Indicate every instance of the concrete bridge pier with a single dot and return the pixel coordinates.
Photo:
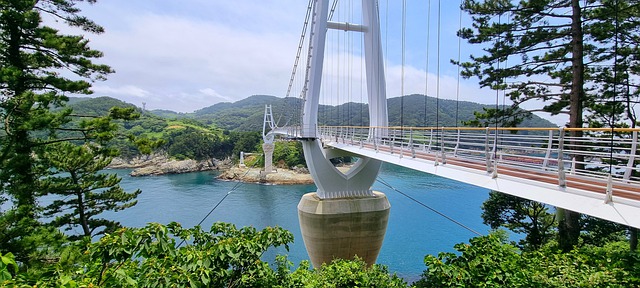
(343, 227)
(268, 148)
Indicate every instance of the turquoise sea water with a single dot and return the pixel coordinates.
(413, 230)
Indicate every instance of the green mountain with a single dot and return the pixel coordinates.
(418, 110)
(248, 114)
(98, 106)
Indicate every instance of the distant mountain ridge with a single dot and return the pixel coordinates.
(248, 114)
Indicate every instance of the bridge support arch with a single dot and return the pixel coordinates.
(344, 217)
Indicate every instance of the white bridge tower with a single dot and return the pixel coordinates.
(344, 217)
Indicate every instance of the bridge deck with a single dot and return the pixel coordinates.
(602, 179)
(596, 185)
(582, 193)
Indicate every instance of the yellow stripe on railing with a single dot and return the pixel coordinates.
(493, 128)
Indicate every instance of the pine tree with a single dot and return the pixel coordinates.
(553, 52)
(521, 216)
(83, 192)
(33, 57)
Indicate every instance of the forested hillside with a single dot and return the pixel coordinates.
(179, 137)
(248, 114)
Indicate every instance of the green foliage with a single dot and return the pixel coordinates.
(190, 143)
(572, 57)
(521, 216)
(487, 261)
(244, 142)
(502, 117)
(343, 273)
(98, 106)
(289, 153)
(8, 267)
(82, 192)
(599, 75)
(224, 256)
(31, 59)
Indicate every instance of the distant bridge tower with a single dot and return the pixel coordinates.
(344, 217)
(267, 138)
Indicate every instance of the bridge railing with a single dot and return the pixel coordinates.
(596, 154)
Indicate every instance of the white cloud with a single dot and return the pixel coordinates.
(213, 93)
(172, 55)
(127, 90)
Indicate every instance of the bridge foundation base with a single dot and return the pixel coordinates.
(344, 227)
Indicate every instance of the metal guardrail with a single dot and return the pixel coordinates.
(551, 150)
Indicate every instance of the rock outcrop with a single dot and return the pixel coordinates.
(159, 164)
(256, 175)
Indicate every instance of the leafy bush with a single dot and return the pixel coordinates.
(488, 261)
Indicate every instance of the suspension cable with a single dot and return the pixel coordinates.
(297, 61)
(333, 9)
(234, 188)
(300, 46)
(385, 183)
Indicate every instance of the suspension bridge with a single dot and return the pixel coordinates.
(594, 174)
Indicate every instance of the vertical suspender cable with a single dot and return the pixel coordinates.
(615, 88)
(403, 33)
(339, 116)
(426, 69)
(438, 78)
(361, 80)
(495, 133)
(459, 56)
(504, 91)
(350, 77)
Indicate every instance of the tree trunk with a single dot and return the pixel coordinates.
(83, 217)
(633, 239)
(568, 229)
(568, 221)
(81, 210)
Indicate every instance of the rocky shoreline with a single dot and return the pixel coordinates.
(256, 175)
(160, 164)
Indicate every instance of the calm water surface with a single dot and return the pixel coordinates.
(413, 231)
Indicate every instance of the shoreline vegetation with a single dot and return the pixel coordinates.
(161, 164)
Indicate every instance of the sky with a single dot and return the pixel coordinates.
(191, 54)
